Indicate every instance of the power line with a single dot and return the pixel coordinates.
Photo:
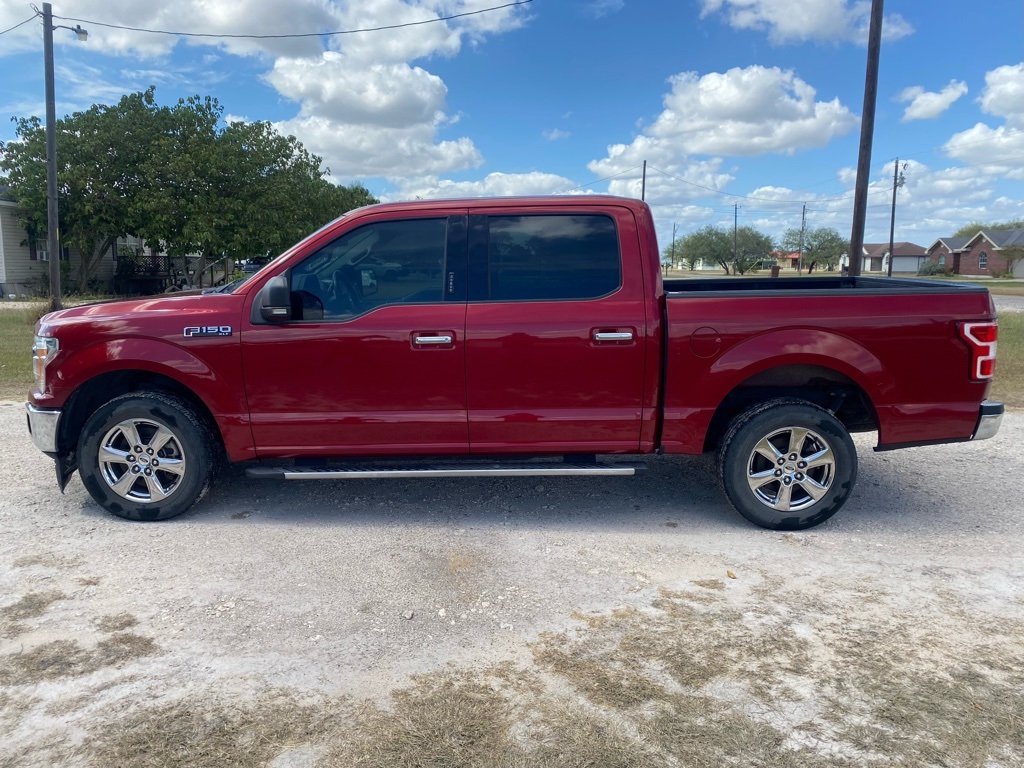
(299, 34)
(598, 181)
(21, 24)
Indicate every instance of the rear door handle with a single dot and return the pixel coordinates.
(613, 336)
(433, 340)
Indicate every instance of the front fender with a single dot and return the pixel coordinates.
(219, 387)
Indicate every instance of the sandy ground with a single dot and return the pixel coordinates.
(349, 587)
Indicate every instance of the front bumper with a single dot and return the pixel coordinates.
(990, 416)
(42, 426)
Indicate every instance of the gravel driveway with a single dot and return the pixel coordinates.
(388, 613)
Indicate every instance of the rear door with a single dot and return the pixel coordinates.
(554, 331)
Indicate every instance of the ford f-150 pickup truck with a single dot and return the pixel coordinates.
(528, 336)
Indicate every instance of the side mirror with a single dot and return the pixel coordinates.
(367, 281)
(275, 300)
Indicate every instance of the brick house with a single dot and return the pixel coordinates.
(978, 255)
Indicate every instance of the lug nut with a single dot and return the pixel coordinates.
(799, 475)
(149, 451)
(135, 469)
(792, 457)
(802, 464)
(787, 480)
(148, 471)
(782, 461)
(130, 457)
(778, 473)
(138, 449)
(155, 463)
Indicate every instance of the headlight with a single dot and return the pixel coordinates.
(43, 350)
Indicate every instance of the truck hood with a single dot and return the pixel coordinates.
(112, 310)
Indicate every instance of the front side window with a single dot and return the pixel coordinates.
(983, 260)
(544, 257)
(386, 262)
(942, 259)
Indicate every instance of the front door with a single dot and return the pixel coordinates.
(373, 361)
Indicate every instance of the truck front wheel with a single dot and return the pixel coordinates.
(787, 464)
(146, 456)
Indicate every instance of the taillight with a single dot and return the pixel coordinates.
(981, 338)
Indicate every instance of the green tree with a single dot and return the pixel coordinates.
(175, 176)
(708, 244)
(99, 157)
(752, 248)
(822, 246)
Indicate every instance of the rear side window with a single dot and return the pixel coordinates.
(545, 257)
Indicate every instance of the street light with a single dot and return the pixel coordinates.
(52, 233)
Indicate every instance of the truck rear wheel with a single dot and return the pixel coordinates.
(787, 464)
(146, 456)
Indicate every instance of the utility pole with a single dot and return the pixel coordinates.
(52, 225)
(897, 182)
(643, 182)
(52, 219)
(673, 246)
(867, 132)
(800, 253)
(735, 221)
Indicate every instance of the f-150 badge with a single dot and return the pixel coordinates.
(208, 330)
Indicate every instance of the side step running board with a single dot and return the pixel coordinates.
(443, 470)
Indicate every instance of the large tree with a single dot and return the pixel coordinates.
(752, 248)
(175, 176)
(822, 246)
(709, 244)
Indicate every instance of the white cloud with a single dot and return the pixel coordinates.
(925, 105)
(806, 20)
(1003, 95)
(556, 133)
(999, 149)
(494, 184)
(599, 8)
(748, 111)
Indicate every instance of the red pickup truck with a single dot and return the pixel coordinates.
(528, 336)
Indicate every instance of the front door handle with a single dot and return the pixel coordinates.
(613, 336)
(433, 340)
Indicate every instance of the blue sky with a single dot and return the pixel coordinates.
(748, 102)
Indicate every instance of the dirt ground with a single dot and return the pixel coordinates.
(511, 622)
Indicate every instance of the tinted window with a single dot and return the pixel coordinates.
(551, 257)
(386, 262)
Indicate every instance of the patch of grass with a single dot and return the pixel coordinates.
(31, 605)
(115, 622)
(16, 331)
(214, 732)
(67, 658)
(437, 722)
(1008, 384)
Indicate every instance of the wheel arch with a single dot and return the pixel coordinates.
(103, 387)
(821, 385)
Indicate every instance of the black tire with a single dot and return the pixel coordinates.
(172, 468)
(787, 492)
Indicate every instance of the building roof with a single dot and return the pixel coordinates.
(951, 243)
(903, 248)
(1001, 238)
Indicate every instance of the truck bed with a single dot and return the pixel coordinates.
(832, 285)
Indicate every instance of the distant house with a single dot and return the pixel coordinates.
(978, 255)
(906, 257)
(24, 259)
